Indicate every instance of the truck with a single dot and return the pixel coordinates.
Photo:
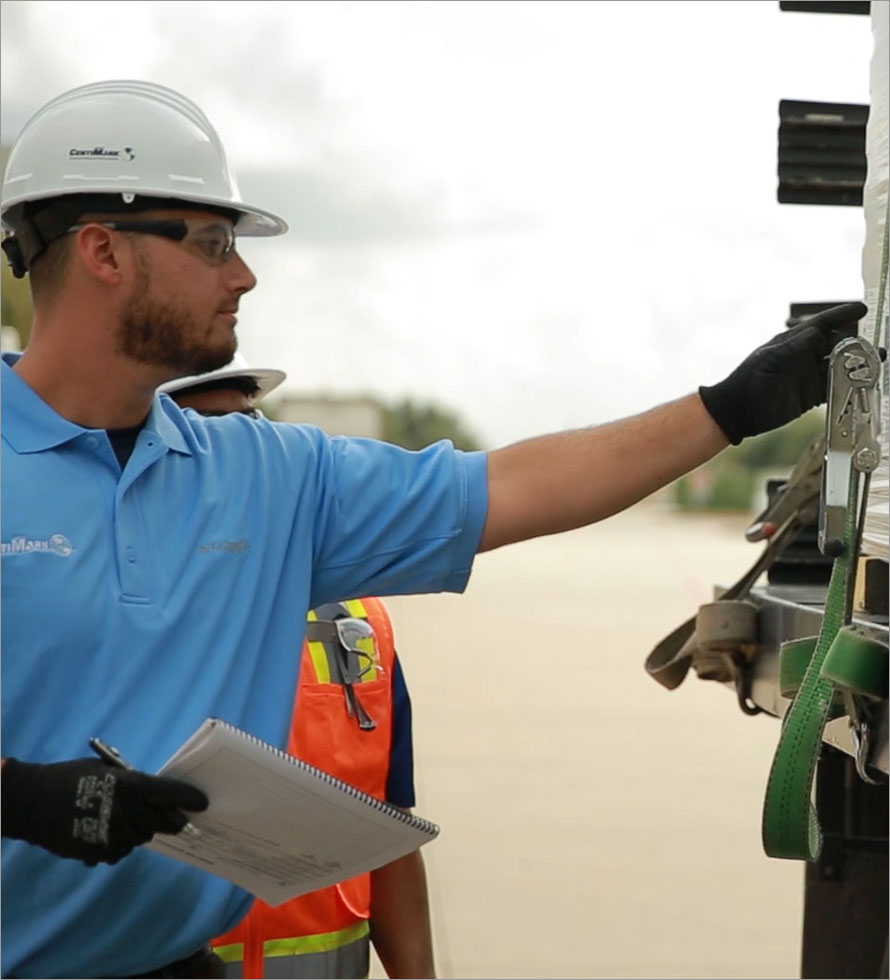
(803, 634)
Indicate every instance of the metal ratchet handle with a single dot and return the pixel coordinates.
(851, 438)
(798, 498)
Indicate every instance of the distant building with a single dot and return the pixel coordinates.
(10, 339)
(344, 416)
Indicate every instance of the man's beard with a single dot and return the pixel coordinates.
(161, 334)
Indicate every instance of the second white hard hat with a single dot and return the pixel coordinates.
(267, 379)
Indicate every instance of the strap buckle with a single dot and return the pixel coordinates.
(852, 426)
(861, 726)
(726, 645)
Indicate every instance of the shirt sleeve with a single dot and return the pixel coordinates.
(390, 521)
(400, 781)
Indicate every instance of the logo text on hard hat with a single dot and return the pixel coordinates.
(103, 153)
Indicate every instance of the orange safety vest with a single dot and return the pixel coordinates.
(327, 930)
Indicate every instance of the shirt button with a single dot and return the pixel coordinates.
(131, 555)
(92, 442)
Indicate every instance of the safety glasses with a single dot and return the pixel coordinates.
(213, 241)
(350, 631)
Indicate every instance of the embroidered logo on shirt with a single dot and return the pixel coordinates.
(232, 547)
(55, 544)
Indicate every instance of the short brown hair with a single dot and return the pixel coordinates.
(48, 270)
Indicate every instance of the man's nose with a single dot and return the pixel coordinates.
(240, 278)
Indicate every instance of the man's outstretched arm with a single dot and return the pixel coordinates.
(558, 482)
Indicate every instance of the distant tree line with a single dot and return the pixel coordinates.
(729, 481)
(414, 425)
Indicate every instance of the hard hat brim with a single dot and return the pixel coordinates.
(267, 380)
(253, 222)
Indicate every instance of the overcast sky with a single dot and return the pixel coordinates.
(539, 215)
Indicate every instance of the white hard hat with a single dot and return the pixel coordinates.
(126, 137)
(267, 379)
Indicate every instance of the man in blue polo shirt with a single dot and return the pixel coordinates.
(158, 566)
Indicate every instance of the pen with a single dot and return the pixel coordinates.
(110, 754)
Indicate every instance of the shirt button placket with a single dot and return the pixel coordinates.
(130, 537)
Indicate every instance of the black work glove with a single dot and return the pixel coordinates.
(91, 811)
(783, 378)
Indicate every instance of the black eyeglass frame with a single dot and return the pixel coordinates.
(176, 229)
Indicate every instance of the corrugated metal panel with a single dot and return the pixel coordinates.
(874, 264)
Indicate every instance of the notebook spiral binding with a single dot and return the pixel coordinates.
(417, 823)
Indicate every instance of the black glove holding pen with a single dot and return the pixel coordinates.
(90, 810)
(783, 378)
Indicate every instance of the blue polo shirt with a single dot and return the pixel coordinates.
(136, 604)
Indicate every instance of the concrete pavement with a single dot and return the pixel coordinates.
(593, 823)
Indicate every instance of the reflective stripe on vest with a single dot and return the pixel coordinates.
(343, 954)
(325, 735)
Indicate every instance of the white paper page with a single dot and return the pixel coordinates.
(274, 828)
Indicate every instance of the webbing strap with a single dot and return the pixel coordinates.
(857, 664)
(671, 659)
(790, 823)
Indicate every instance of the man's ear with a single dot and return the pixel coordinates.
(99, 251)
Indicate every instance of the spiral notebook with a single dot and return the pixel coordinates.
(277, 826)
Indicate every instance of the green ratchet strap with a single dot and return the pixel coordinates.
(841, 654)
(790, 825)
(794, 658)
(857, 664)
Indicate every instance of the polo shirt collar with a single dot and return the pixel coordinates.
(31, 426)
(163, 424)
